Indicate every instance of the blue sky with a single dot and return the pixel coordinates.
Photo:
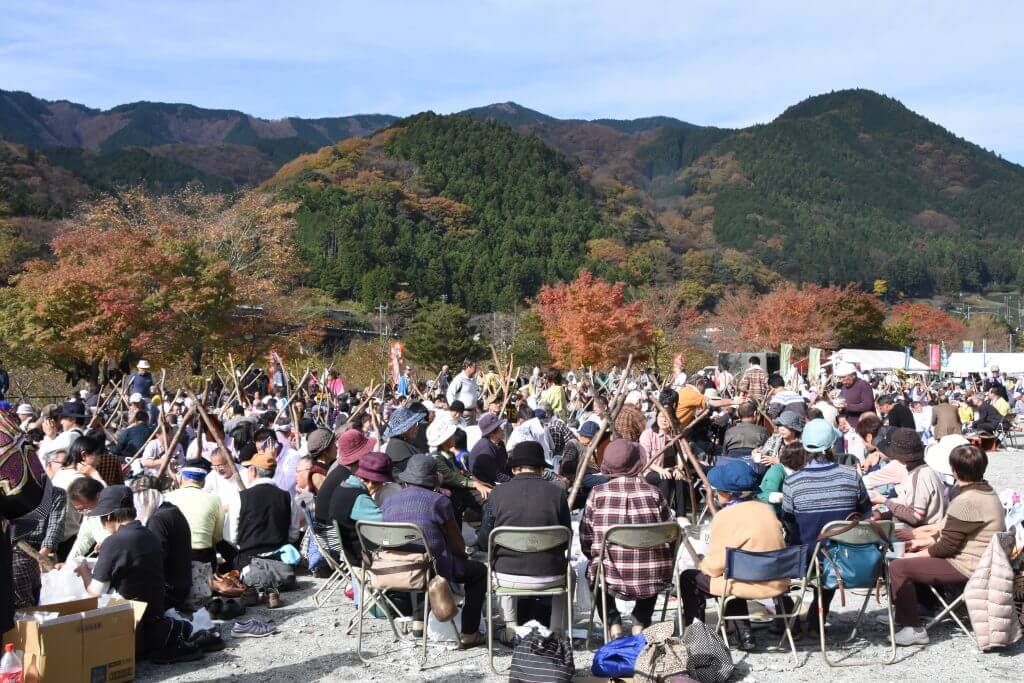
(721, 63)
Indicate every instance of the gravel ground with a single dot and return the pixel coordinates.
(312, 645)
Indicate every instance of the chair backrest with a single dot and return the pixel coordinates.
(391, 535)
(524, 539)
(308, 517)
(864, 532)
(642, 536)
(746, 565)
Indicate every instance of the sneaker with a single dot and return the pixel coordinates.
(182, 652)
(911, 635)
(251, 628)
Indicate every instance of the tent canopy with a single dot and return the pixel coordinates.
(868, 360)
(962, 364)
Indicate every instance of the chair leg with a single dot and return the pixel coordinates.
(362, 604)
(490, 624)
(679, 604)
(720, 605)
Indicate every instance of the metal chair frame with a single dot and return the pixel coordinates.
(863, 533)
(367, 599)
(650, 536)
(339, 574)
(526, 540)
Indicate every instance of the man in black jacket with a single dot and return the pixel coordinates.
(527, 500)
(989, 418)
(134, 438)
(895, 413)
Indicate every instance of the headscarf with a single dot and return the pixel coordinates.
(630, 423)
(623, 458)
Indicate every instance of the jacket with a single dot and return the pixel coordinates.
(946, 420)
(989, 596)
(527, 500)
(750, 525)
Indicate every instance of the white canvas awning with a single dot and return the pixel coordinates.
(868, 360)
(963, 364)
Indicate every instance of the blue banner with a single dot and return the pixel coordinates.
(906, 357)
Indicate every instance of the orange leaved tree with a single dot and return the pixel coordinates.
(928, 324)
(588, 322)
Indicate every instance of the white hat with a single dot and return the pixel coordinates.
(24, 409)
(634, 398)
(936, 455)
(440, 430)
(84, 393)
(843, 369)
(993, 368)
(143, 365)
(429, 405)
(135, 398)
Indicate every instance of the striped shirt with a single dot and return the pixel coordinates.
(820, 493)
(629, 573)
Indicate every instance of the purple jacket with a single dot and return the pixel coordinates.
(860, 398)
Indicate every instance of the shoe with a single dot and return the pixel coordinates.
(227, 584)
(251, 628)
(208, 641)
(182, 652)
(911, 635)
(350, 593)
(416, 629)
(216, 608)
(232, 609)
(472, 640)
(746, 641)
(273, 599)
(250, 597)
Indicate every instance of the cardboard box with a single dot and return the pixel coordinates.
(86, 644)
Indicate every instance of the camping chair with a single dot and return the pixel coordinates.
(526, 540)
(855, 535)
(637, 537)
(339, 574)
(1005, 543)
(744, 565)
(392, 536)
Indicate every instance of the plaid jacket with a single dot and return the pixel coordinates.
(754, 383)
(630, 574)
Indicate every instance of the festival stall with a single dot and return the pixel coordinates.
(869, 360)
(963, 364)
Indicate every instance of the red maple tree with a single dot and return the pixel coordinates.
(928, 324)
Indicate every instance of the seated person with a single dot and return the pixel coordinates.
(419, 503)
(792, 459)
(202, 510)
(527, 501)
(467, 494)
(742, 522)
(82, 496)
(666, 470)
(131, 440)
(921, 498)
(488, 460)
(988, 419)
(626, 499)
(574, 450)
(950, 556)
(353, 501)
(742, 437)
(171, 528)
(131, 563)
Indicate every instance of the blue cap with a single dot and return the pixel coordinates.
(589, 428)
(819, 436)
(733, 476)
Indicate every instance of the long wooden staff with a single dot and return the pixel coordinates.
(701, 475)
(581, 466)
(178, 433)
(228, 457)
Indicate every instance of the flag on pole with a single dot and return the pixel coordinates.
(968, 346)
(813, 365)
(785, 352)
(906, 358)
(984, 352)
(934, 357)
(395, 362)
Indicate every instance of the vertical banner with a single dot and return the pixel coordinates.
(785, 354)
(906, 357)
(945, 356)
(968, 346)
(813, 365)
(934, 357)
(984, 353)
(396, 362)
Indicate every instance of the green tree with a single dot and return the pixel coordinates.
(440, 333)
(530, 348)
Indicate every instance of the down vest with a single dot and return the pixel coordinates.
(989, 596)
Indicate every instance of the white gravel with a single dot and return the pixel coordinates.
(312, 645)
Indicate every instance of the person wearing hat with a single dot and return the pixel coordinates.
(141, 381)
(341, 455)
(527, 500)
(920, 498)
(419, 503)
(488, 459)
(995, 381)
(467, 493)
(61, 426)
(789, 425)
(354, 501)
(856, 395)
(821, 492)
(131, 563)
(574, 450)
(26, 415)
(744, 522)
(630, 574)
(264, 518)
(202, 510)
(401, 434)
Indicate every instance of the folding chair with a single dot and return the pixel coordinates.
(862, 533)
(744, 565)
(637, 537)
(392, 536)
(526, 540)
(338, 573)
(367, 600)
(1002, 542)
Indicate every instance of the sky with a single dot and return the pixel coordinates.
(717, 63)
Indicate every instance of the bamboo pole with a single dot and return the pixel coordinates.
(174, 441)
(228, 457)
(701, 475)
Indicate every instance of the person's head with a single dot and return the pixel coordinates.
(746, 411)
(775, 381)
(818, 438)
(588, 430)
(420, 470)
(115, 506)
(494, 406)
(553, 376)
(262, 465)
(885, 404)
(847, 373)
(322, 445)
(219, 463)
(441, 434)
(994, 370)
(905, 446)
(72, 415)
(523, 412)
(868, 427)
(490, 428)
(664, 421)
(993, 394)
(143, 367)
(195, 471)
(141, 417)
(86, 450)
(83, 494)
(732, 479)
(622, 458)
(267, 442)
(469, 367)
(600, 406)
(790, 425)
(968, 464)
(527, 457)
(459, 441)
(754, 361)
(793, 456)
(456, 408)
(374, 471)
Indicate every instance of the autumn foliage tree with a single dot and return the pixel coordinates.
(588, 322)
(926, 324)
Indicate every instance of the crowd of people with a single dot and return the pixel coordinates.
(183, 500)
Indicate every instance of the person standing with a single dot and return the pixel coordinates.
(754, 383)
(464, 387)
(857, 396)
(5, 381)
(141, 381)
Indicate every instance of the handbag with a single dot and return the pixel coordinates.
(539, 658)
(398, 570)
(617, 658)
(663, 657)
(708, 659)
(852, 565)
(442, 601)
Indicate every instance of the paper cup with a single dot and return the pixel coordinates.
(899, 548)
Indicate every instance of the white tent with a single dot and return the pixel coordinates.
(868, 360)
(962, 364)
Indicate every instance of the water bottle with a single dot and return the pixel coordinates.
(10, 666)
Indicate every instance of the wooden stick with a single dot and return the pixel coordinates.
(669, 445)
(581, 466)
(228, 457)
(45, 563)
(709, 492)
(508, 391)
(178, 433)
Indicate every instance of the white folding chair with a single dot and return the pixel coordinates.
(526, 540)
(637, 537)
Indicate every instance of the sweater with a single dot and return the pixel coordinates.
(749, 525)
(974, 516)
(527, 500)
(818, 494)
(772, 483)
(920, 499)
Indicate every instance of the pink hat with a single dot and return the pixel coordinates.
(352, 445)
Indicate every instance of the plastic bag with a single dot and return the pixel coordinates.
(584, 599)
(617, 658)
(62, 585)
(442, 631)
